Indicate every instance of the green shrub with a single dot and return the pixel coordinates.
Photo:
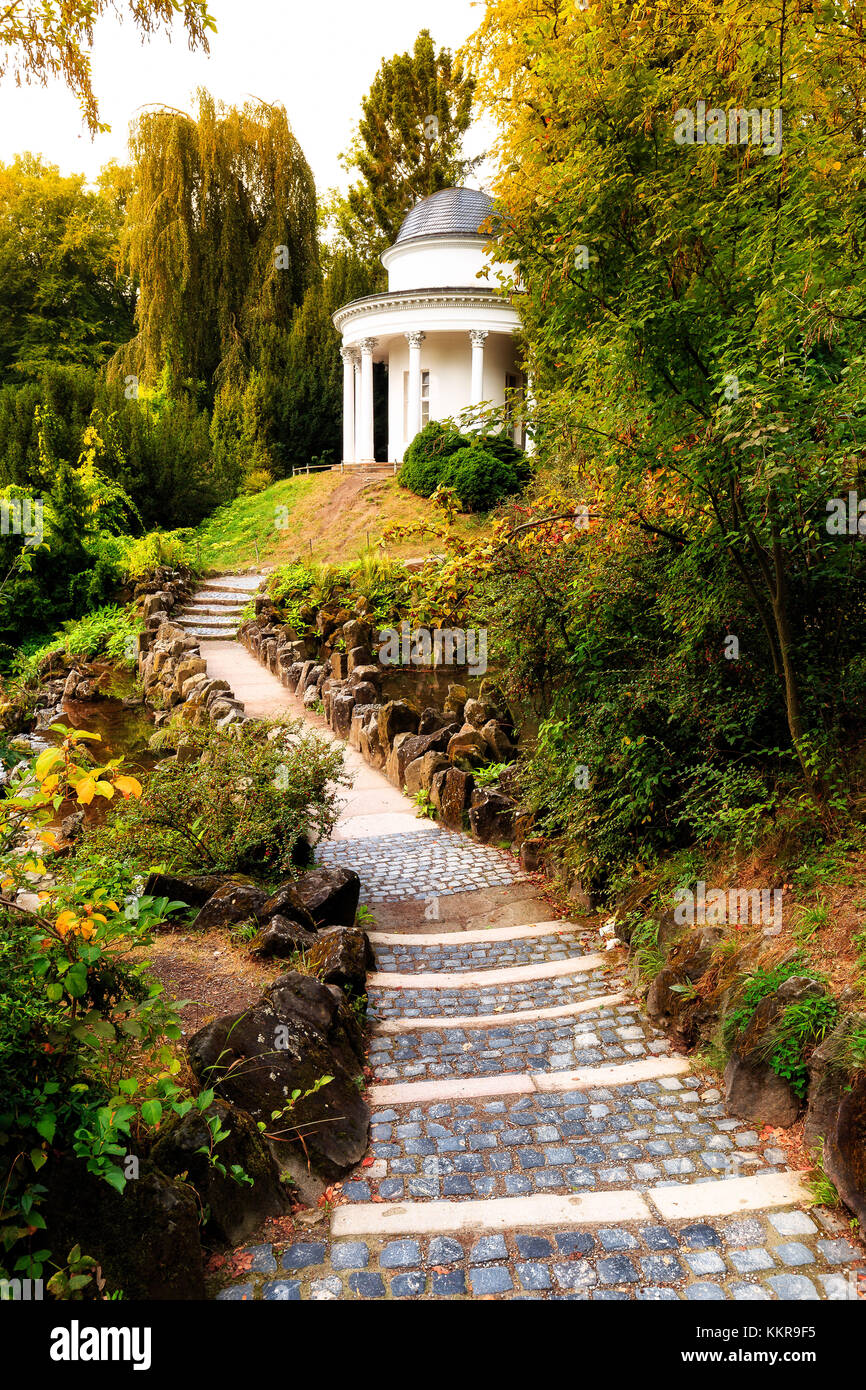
(427, 455)
(480, 478)
(110, 632)
(505, 449)
(756, 986)
(243, 805)
(482, 469)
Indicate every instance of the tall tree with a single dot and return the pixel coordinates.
(694, 299)
(221, 234)
(52, 39)
(62, 298)
(312, 410)
(408, 143)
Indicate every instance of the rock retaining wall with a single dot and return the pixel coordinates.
(333, 666)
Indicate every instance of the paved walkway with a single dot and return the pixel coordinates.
(532, 1135)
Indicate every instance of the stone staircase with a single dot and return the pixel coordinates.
(214, 612)
(533, 1136)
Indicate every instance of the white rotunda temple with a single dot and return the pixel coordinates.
(444, 331)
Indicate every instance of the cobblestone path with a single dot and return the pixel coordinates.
(533, 1137)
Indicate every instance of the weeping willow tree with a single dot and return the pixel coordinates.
(221, 236)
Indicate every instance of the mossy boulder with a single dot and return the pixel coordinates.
(235, 1207)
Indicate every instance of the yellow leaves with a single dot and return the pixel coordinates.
(66, 922)
(85, 790)
(47, 760)
(81, 924)
(128, 786)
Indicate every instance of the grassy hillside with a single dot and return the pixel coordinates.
(324, 516)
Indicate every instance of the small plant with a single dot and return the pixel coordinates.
(800, 1025)
(645, 948)
(688, 989)
(286, 1111)
(70, 1282)
(244, 933)
(423, 805)
(487, 776)
(823, 1190)
(756, 986)
(811, 919)
(217, 1132)
(365, 917)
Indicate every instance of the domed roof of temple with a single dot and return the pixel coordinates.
(450, 212)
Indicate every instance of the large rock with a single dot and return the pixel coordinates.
(691, 958)
(433, 719)
(532, 855)
(297, 1033)
(190, 667)
(475, 713)
(752, 1089)
(393, 762)
(330, 895)
(421, 771)
(416, 745)
(342, 704)
(286, 901)
(450, 792)
(836, 1117)
(370, 744)
(342, 956)
(146, 1239)
(364, 694)
(498, 742)
(491, 815)
(358, 659)
(469, 746)
(282, 937)
(194, 889)
(371, 673)
(232, 902)
(357, 634)
(396, 717)
(234, 1208)
(455, 701)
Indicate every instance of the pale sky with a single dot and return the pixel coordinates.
(318, 57)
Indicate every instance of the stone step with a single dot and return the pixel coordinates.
(467, 1022)
(471, 979)
(209, 634)
(715, 1198)
(201, 600)
(241, 583)
(459, 937)
(526, 1083)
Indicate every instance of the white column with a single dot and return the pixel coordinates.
(356, 373)
(365, 437)
(476, 337)
(413, 424)
(348, 357)
(528, 413)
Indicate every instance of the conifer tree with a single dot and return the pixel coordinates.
(408, 143)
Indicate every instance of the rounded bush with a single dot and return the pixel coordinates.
(480, 478)
(426, 457)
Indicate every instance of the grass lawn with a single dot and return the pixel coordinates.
(323, 516)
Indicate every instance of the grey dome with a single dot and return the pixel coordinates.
(450, 212)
